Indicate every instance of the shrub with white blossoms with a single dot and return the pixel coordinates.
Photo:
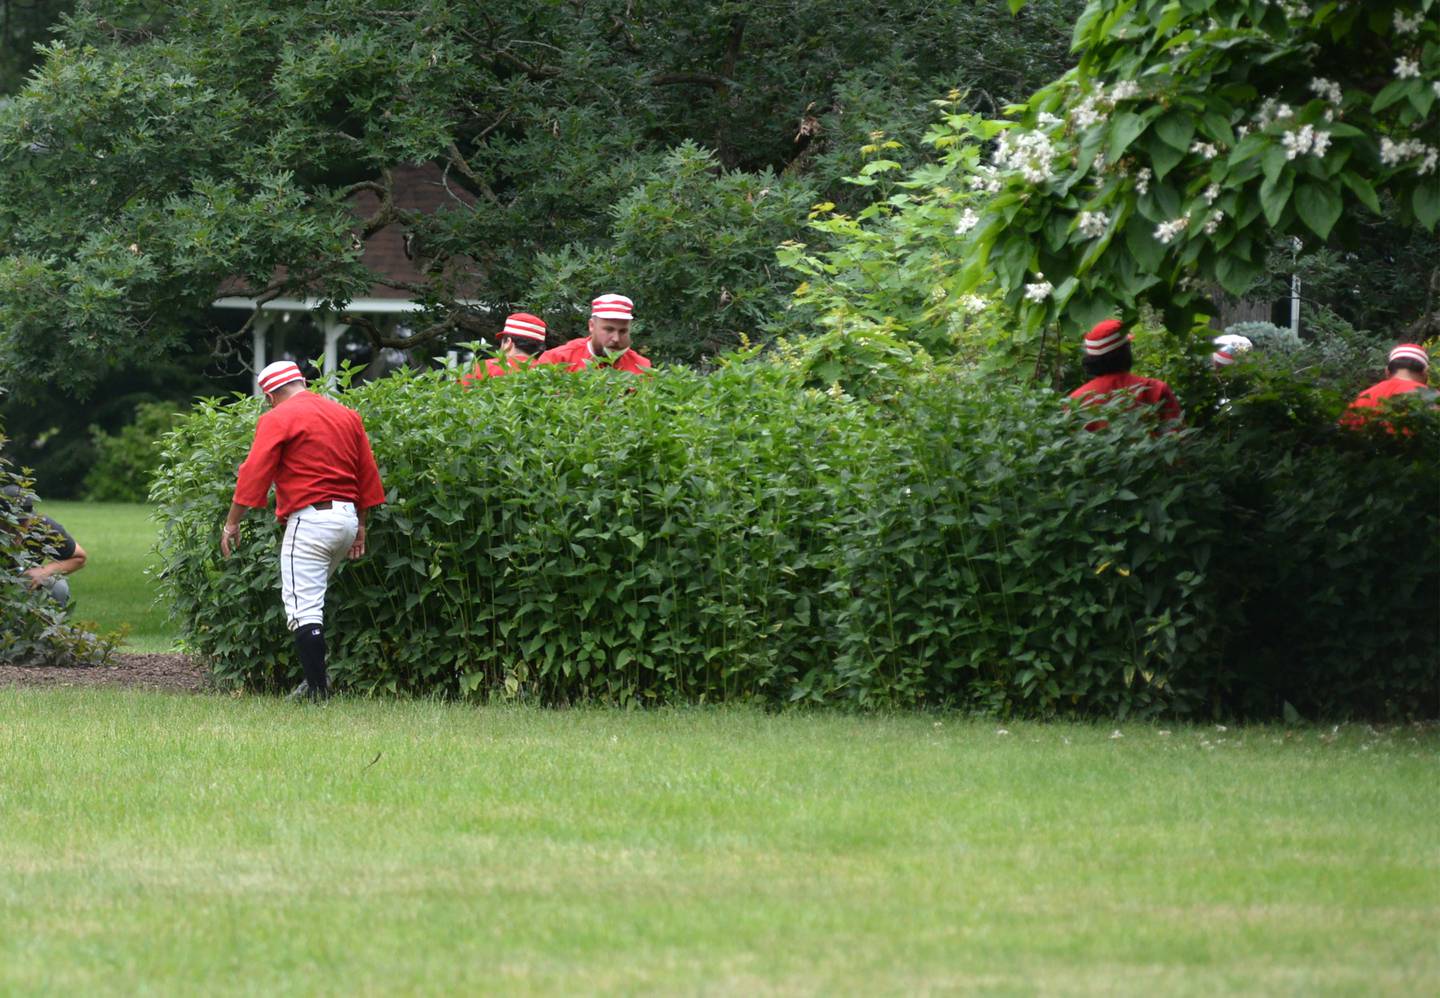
(1190, 135)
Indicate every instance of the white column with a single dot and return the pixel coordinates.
(334, 329)
(258, 329)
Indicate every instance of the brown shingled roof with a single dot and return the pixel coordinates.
(416, 187)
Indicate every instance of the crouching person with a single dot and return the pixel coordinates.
(315, 452)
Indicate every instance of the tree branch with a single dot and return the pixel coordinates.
(456, 160)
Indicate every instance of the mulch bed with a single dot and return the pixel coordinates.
(169, 672)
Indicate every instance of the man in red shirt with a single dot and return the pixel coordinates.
(1408, 371)
(316, 453)
(608, 342)
(522, 338)
(1108, 361)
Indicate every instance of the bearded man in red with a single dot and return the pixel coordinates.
(608, 342)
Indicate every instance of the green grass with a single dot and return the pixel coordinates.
(215, 844)
(113, 590)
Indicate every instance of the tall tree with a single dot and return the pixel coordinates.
(24, 26)
(162, 148)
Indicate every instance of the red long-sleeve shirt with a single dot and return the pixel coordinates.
(1374, 397)
(311, 448)
(1145, 391)
(576, 356)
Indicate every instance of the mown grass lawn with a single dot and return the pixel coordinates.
(113, 591)
(213, 844)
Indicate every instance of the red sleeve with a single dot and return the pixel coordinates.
(257, 472)
(367, 475)
(1169, 406)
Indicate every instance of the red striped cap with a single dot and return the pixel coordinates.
(1222, 358)
(278, 374)
(1411, 351)
(1107, 335)
(612, 307)
(524, 326)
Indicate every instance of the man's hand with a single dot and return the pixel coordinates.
(36, 577)
(358, 548)
(229, 538)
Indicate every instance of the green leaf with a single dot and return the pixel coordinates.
(1426, 200)
(1237, 275)
(1273, 161)
(1176, 129)
(1125, 127)
(1362, 189)
(1392, 92)
(1141, 242)
(1318, 206)
(1163, 157)
(1275, 195)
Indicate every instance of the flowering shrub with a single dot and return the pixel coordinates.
(1186, 140)
(1194, 132)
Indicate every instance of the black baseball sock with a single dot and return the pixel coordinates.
(310, 646)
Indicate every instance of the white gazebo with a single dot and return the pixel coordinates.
(387, 312)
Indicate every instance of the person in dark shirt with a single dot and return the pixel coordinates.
(50, 545)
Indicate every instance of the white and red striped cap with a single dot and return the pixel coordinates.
(1411, 351)
(524, 326)
(278, 374)
(612, 307)
(1105, 336)
(1222, 357)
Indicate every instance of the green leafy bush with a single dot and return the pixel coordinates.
(738, 536)
(126, 460)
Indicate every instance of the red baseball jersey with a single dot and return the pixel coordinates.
(576, 356)
(1374, 397)
(1145, 391)
(311, 448)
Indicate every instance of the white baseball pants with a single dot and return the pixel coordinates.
(316, 541)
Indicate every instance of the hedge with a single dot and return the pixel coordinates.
(695, 538)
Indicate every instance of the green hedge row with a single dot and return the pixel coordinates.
(698, 538)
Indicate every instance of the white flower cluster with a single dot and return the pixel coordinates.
(1040, 290)
(968, 221)
(1272, 111)
(1205, 149)
(1328, 89)
(1407, 69)
(1032, 153)
(1211, 193)
(1393, 153)
(1092, 224)
(1142, 181)
(973, 303)
(1212, 222)
(1167, 231)
(1096, 106)
(1124, 90)
(1408, 25)
(987, 179)
(1295, 11)
(1305, 139)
